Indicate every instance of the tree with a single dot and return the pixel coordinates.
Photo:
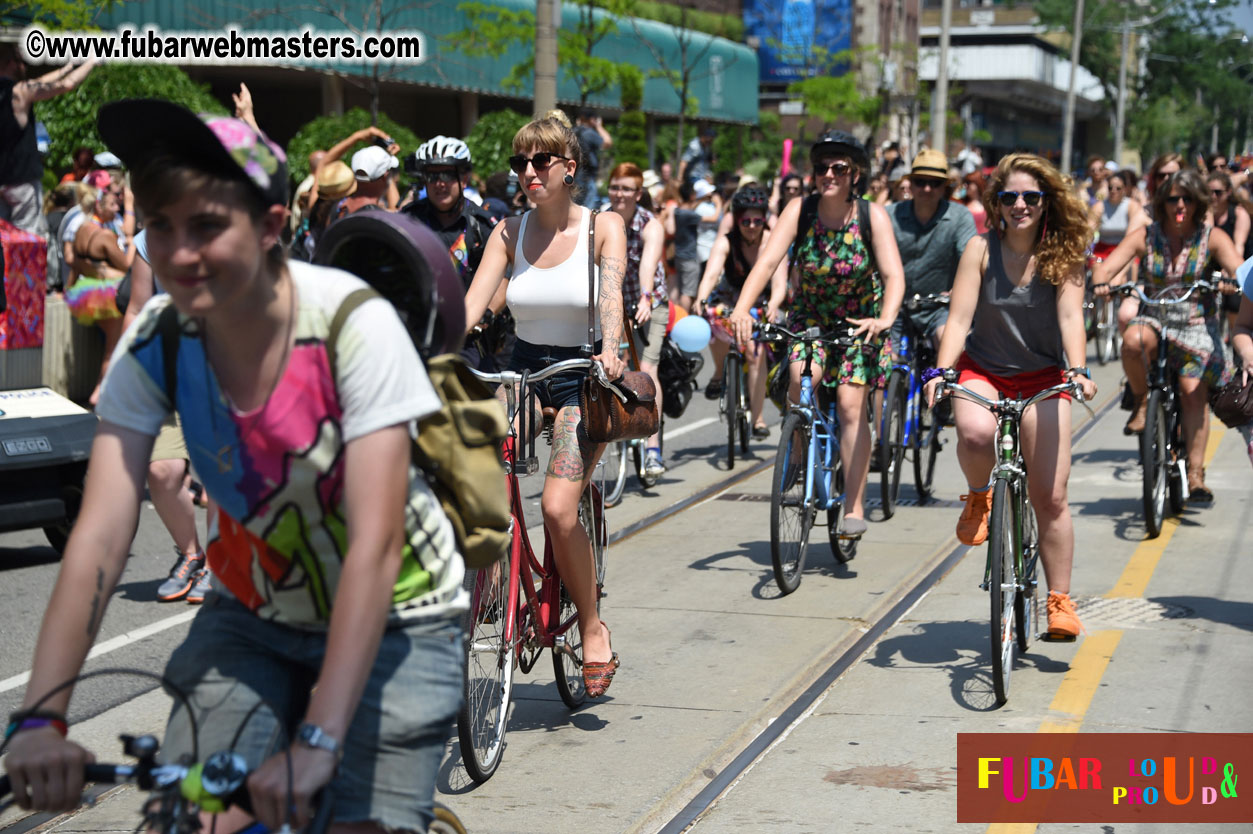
(71, 118)
(72, 15)
(323, 132)
(492, 30)
(491, 140)
(832, 92)
(630, 140)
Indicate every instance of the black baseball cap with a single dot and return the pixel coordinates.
(139, 129)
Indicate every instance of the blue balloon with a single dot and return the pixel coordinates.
(691, 334)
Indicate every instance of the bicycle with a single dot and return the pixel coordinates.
(1163, 450)
(1100, 321)
(510, 622)
(617, 453)
(1013, 540)
(733, 405)
(907, 423)
(808, 474)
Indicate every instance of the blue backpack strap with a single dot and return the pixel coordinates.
(170, 333)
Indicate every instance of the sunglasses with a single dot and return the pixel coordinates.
(1010, 198)
(926, 182)
(749, 222)
(440, 176)
(838, 168)
(540, 162)
(1186, 199)
(1218, 192)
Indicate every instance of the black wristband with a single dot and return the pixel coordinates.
(23, 714)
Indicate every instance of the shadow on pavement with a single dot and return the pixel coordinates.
(16, 558)
(961, 649)
(1126, 513)
(145, 591)
(818, 562)
(1224, 611)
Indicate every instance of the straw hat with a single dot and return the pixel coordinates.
(336, 181)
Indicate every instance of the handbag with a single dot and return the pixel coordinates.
(1233, 403)
(623, 409)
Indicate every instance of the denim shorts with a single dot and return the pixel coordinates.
(558, 391)
(232, 660)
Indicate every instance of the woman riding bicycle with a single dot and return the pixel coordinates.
(1175, 248)
(545, 251)
(644, 286)
(734, 255)
(1015, 316)
(339, 598)
(839, 281)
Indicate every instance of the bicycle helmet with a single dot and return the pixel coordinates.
(750, 197)
(443, 150)
(843, 144)
(406, 263)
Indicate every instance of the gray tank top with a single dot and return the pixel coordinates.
(1015, 329)
(1114, 223)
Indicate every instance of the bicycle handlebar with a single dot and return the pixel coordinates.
(917, 302)
(565, 366)
(1016, 405)
(1132, 289)
(777, 333)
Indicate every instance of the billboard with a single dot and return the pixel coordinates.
(787, 31)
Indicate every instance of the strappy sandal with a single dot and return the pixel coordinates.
(598, 675)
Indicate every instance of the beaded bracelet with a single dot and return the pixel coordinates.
(933, 373)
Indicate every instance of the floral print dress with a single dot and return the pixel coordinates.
(837, 281)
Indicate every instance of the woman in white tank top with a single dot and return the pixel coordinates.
(548, 296)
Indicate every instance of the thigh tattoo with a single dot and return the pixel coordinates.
(572, 451)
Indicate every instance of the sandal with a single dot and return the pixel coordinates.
(597, 675)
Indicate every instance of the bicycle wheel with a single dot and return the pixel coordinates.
(892, 443)
(445, 822)
(842, 549)
(568, 653)
(592, 519)
(1002, 588)
(615, 460)
(1027, 599)
(1106, 331)
(744, 428)
(484, 714)
(790, 515)
(926, 446)
(731, 379)
(1154, 462)
(1177, 453)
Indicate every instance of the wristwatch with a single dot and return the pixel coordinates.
(1080, 372)
(311, 735)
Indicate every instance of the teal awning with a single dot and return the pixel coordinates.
(724, 81)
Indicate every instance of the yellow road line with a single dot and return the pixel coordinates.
(1078, 687)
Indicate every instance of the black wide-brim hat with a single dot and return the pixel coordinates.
(141, 129)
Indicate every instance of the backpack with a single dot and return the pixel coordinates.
(677, 372)
(809, 210)
(457, 448)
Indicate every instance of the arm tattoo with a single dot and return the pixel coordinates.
(97, 605)
(572, 452)
(612, 271)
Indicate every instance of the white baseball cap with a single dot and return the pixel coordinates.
(703, 188)
(371, 163)
(106, 159)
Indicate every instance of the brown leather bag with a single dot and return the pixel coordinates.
(1233, 403)
(623, 409)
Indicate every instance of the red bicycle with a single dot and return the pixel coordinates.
(510, 622)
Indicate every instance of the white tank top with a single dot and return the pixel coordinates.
(1114, 223)
(550, 305)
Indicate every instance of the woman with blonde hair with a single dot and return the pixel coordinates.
(1015, 322)
(545, 253)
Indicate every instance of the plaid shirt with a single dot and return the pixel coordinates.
(635, 250)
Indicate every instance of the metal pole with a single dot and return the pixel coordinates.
(1120, 129)
(1068, 135)
(939, 102)
(545, 58)
(1214, 133)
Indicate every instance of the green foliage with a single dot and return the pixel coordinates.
(325, 131)
(630, 142)
(71, 118)
(667, 136)
(833, 94)
(57, 14)
(726, 26)
(491, 140)
(1164, 124)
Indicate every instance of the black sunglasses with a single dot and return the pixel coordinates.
(839, 168)
(440, 176)
(1186, 198)
(1010, 198)
(927, 182)
(540, 162)
(752, 221)
(1218, 192)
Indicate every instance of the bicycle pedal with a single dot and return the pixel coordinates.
(1046, 637)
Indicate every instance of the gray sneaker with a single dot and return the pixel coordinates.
(654, 467)
(182, 577)
(854, 528)
(201, 587)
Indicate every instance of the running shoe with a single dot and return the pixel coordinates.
(1063, 621)
(972, 527)
(654, 466)
(182, 577)
(201, 587)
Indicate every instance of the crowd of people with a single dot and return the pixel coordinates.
(330, 555)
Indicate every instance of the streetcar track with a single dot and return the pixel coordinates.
(803, 704)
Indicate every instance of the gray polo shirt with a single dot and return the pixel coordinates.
(930, 253)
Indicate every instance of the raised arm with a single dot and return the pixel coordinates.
(1224, 251)
(28, 92)
(773, 254)
(713, 271)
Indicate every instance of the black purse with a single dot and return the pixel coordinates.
(1233, 403)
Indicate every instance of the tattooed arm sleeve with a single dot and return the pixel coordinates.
(612, 272)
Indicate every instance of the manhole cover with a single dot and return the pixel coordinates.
(1127, 611)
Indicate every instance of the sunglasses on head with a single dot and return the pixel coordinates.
(839, 168)
(540, 162)
(1010, 198)
(1186, 198)
(749, 222)
(445, 175)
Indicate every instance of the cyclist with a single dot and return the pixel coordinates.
(444, 164)
(1242, 341)
(1016, 314)
(1174, 249)
(643, 297)
(546, 251)
(340, 584)
(841, 278)
(732, 258)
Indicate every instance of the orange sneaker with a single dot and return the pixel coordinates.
(1063, 621)
(972, 527)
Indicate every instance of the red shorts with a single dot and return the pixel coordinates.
(1019, 385)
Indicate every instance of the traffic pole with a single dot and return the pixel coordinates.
(1120, 128)
(1068, 135)
(939, 102)
(545, 57)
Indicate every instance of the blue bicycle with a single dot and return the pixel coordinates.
(907, 423)
(808, 476)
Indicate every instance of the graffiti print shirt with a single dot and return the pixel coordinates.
(277, 473)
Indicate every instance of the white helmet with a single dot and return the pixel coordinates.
(443, 150)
